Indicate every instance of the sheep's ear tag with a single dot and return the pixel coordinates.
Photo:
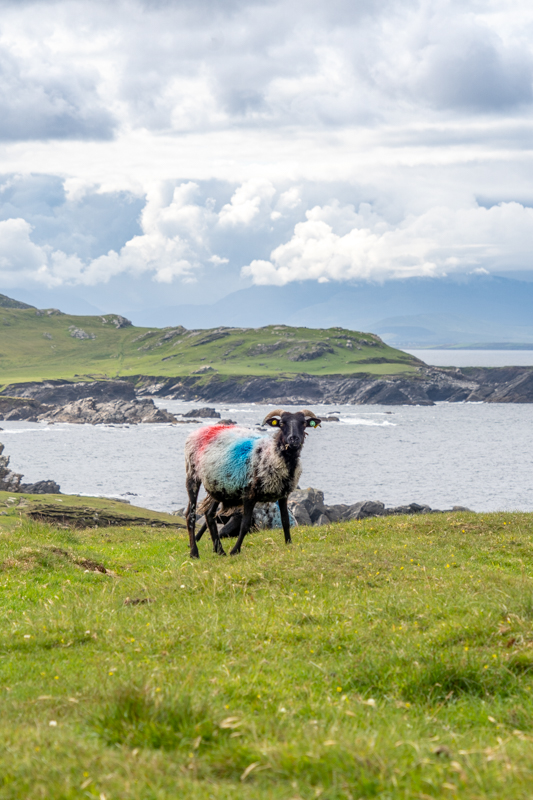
(274, 421)
(313, 423)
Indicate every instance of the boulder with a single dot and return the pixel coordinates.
(78, 333)
(337, 512)
(300, 513)
(364, 509)
(44, 487)
(412, 508)
(310, 498)
(204, 413)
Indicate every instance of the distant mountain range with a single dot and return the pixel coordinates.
(416, 312)
(477, 309)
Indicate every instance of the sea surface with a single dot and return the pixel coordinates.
(475, 358)
(471, 454)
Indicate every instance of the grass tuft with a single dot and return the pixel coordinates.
(141, 718)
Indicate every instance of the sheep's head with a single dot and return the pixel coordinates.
(292, 427)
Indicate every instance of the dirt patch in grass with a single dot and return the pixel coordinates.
(50, 558)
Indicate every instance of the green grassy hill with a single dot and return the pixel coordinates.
(389, 658)
(35, 345)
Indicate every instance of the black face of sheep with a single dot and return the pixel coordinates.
(292, 428)
(240, 468)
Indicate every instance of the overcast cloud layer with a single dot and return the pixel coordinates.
(202, 146)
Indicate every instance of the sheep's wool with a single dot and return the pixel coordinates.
(235, 459)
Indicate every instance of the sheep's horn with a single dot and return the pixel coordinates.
(276, 413)
(310, 415)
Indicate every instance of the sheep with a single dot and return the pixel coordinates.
(241, 466)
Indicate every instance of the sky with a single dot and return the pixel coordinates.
(160, 152)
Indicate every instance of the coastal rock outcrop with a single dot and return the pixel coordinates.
(204, 413)
(116, 412)
(94, 402)
(11, 481)
(41, 487)
(61, 392)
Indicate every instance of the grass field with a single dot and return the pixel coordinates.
(389, 658)
(39, 347)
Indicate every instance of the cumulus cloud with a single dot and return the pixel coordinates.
(174, 243)
(249, 202)
(437, 242)
(184, 234)
(21, 260)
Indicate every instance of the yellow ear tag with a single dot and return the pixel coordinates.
(274, 422)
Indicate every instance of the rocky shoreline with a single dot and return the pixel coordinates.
(130, 401)
(426, 387)
(308, 508)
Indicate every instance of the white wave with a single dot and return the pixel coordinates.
(370, 422)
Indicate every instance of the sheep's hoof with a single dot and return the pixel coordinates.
(235, 552)
(195, 554)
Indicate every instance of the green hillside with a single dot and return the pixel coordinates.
(37, 345)
(389, 658)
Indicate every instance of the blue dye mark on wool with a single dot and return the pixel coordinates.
(237, 464)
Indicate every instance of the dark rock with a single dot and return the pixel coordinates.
(337, 512)
(397, 510)
(41, 487)
(412, 508)
(227, 422)
(322, 520)
(300, 513)
(204, 413)
(9, 481)
(61, 392)
(364, 509)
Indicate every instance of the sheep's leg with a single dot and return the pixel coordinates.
(285, 521)
(246, 524)
(201, 532)
(213, 530)
(193, 487)
(232, 526)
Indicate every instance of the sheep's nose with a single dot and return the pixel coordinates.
(293, 441)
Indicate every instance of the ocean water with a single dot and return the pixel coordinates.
(472, 454)
(475, 358)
